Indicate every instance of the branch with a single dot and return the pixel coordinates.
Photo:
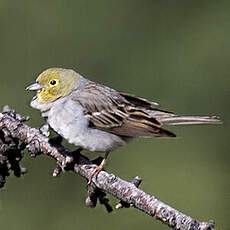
(15, 137)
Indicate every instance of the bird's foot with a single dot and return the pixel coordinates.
(97, 170)
(45, 130)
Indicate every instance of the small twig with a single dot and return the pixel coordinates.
(13, 132)
(95, 194)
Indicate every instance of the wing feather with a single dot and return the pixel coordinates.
(110, 111)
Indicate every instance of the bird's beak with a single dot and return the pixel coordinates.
(34, 87)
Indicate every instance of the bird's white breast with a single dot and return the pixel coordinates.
(66, 117)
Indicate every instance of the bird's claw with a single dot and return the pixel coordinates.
(95, 173)
(45, 130)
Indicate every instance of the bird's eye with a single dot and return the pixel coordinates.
(53, 82)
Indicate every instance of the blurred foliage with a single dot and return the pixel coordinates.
(174, 52)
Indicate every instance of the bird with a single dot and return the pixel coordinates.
(97, 118)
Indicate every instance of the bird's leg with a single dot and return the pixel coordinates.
(99, 168)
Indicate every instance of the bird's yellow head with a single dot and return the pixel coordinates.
(54, 83)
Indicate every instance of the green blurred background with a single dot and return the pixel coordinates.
(174, 52)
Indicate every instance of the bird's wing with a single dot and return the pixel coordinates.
(139, 101)
(112, 112)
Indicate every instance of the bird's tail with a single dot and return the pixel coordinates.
(173, 119)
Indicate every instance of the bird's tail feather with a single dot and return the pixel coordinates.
(188, 120)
